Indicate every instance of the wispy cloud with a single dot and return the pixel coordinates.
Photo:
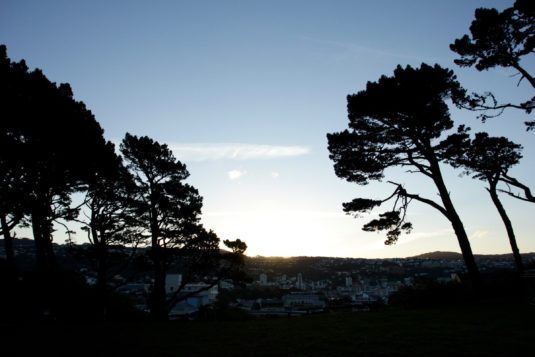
(236, 174)
(205, 152)
(479, 233)
(272, 215)
(275, 174)
(349, 50)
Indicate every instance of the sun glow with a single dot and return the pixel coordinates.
(285, 234)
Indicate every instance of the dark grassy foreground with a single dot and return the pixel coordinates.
(483, 329)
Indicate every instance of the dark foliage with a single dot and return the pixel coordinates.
(489, 159)
(167, 212)
(51, 143)
(429, 293)
(499, 39)
(63, 297)
(401, 121)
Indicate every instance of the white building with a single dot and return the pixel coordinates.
(194, 295)
(300, 284)
(303, 300)
(172, 282)
(349, 282)
(262, 279)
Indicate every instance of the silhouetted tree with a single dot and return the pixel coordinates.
(168, 213)
(12, 184)
(499, 39)
(59, 146)
(109, 223)
(398, 122)
(488, 159)
(12, 196)
(168, 209)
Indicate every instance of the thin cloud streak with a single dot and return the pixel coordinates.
(350, 51)
(479, 233)
(273, 215)
(209, 152)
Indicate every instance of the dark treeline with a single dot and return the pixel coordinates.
(404, 121)
(51, 147)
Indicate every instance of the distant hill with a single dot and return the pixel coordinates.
(454, 255)
(439, 255)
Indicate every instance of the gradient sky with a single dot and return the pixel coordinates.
(245, 93)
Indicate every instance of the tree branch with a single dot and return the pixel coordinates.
(427, 201)
(514, 182)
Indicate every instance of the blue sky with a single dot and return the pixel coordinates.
(245, 93)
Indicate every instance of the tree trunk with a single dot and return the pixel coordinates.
(8, 242)
(48, 282)
(158, 307)
(158, 303)
(50, 254)
(102, 272)
(40, 251)
(456, 223)
(466, 249)
(42, 235)
(508, 226)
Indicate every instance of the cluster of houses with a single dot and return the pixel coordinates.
(303, 284)
(299, 296)
(369, 283)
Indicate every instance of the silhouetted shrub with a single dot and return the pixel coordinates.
(427, 292)
(61, 295)
(502, 285)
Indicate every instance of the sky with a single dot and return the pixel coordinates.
(244, 92)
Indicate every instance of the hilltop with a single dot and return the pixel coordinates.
(439, 255)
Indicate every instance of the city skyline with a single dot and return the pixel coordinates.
(244, 94)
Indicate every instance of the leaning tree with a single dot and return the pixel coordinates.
(501, 39)
(489, 159)
(401, 121)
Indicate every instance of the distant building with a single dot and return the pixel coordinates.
(300, 283)
(172, 282)
(303, 300)
(226, 284)
(191, 297)
(192, 303)
(262, 279)
(349, 282)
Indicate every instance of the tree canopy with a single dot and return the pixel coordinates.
(168, 214)
(51, 147)
(53, 143)
(401, 121)
(489, 159)
(499, 39)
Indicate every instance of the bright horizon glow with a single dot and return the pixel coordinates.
(244, 93)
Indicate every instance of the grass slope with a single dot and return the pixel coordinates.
(482, 330)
